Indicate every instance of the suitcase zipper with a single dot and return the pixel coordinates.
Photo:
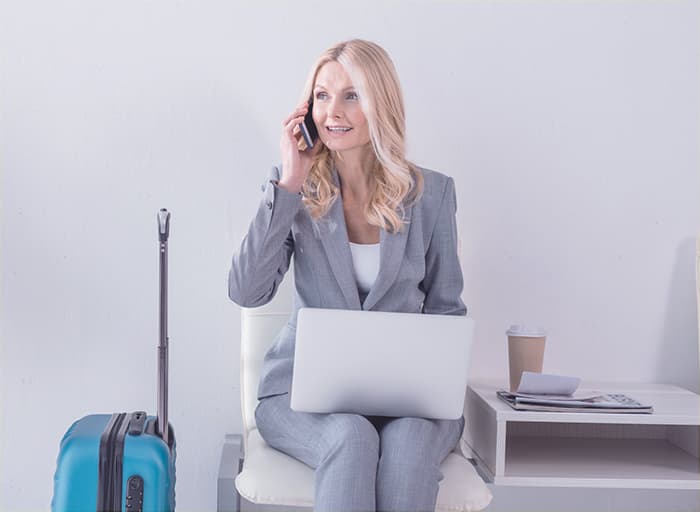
(119, 463)
(106, 466)
(111, 464)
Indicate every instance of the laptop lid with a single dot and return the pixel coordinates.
(380, 363)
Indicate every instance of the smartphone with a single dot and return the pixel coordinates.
(308, 129)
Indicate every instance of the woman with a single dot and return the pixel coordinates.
(368, 230)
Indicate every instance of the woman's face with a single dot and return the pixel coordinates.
(341, 124)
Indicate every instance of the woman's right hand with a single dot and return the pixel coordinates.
(296, 164)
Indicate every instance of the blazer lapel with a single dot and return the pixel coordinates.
(391, 253)
(334, 237)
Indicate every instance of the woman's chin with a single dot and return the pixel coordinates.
(346, 146)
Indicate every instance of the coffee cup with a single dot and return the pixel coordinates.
(525, 352)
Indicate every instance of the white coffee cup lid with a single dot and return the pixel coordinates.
(525, 331)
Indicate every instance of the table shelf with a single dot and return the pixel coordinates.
(562, 462)
(529, 448)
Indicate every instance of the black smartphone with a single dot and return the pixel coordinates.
(308, 129)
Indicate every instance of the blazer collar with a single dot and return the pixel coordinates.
(334, 237)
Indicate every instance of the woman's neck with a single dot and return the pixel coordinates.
(353, 171)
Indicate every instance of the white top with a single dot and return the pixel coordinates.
(365, 261)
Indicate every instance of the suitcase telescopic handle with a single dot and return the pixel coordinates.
(163, 232)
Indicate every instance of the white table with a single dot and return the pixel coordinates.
(554, 449)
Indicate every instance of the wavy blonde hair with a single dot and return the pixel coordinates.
(394, 181)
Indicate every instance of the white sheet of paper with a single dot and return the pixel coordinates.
(545, 384)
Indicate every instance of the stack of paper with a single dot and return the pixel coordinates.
(542, 392)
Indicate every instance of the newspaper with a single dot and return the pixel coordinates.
(559, 394)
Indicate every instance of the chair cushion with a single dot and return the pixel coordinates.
(273, 478)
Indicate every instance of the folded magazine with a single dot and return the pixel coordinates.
(609, 402)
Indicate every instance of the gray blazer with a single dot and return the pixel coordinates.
(418, 270)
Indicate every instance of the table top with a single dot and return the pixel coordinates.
(672, 405)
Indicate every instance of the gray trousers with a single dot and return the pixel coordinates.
(362, 463)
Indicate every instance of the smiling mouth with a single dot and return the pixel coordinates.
(338, 129)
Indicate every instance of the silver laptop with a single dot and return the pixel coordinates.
(381, 364)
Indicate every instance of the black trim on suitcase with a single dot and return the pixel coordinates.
(137, 424)
(153, 429)
(106, 466)
(134, 494)
(119, 464)
(111, 463)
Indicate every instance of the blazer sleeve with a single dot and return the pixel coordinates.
(258, 267)
(443, 281)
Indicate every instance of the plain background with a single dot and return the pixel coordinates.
(571, 129)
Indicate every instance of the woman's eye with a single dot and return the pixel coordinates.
(353, 96)
(321, 95)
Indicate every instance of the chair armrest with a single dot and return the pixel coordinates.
(227, 499)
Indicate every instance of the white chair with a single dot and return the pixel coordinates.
(697, 282)
(254, 477)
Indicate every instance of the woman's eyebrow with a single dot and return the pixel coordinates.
(320, 86)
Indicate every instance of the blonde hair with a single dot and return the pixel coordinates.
(393, 179)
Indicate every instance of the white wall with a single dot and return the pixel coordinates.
(570, 127)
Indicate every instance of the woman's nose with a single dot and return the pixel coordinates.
(334, 109)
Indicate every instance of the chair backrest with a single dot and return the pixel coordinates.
(259, 327)
(697, 282)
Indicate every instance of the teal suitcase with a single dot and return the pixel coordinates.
(113, 463)
(122, 462)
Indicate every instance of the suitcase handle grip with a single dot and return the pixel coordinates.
(163, 225)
